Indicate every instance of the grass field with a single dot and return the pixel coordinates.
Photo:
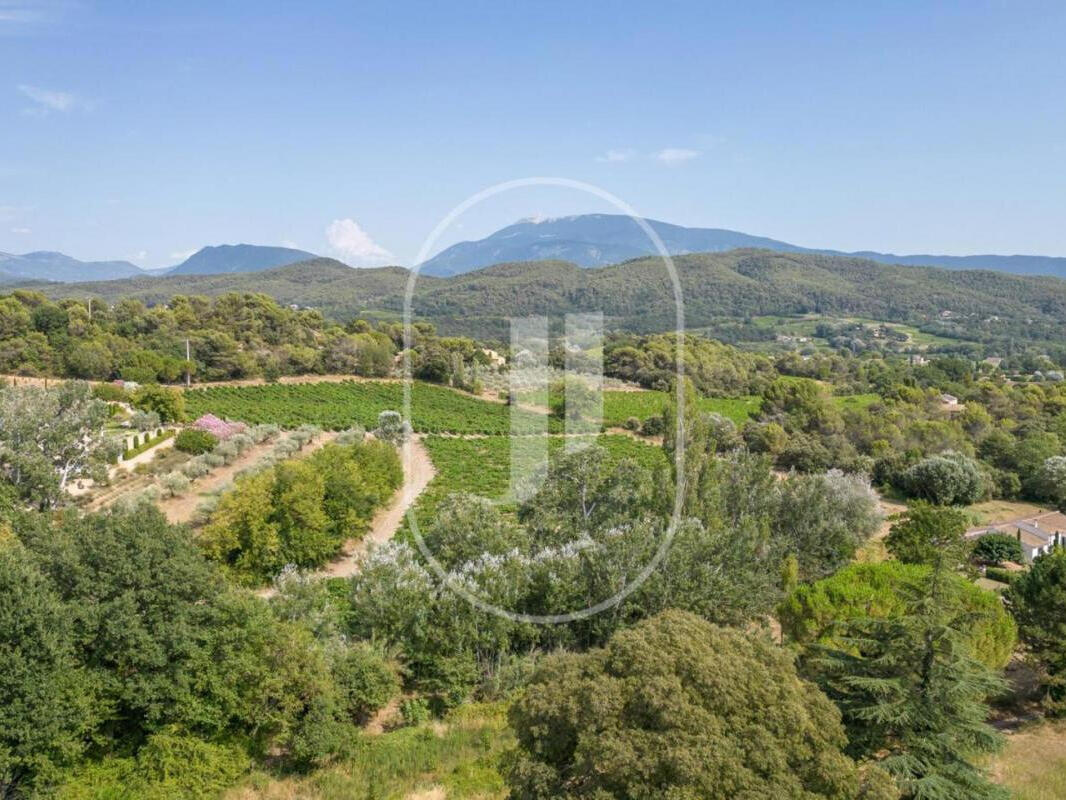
(1033, 763)
(454, 760)
(993, 511)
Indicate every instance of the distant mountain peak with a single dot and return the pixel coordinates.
(596, 240)
(227, 258)
(49, 265)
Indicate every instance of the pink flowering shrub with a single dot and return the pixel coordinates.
(218, 428)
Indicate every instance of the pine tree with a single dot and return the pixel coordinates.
(1037, 599)
(913, 695)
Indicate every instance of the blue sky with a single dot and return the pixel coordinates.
(146, 130)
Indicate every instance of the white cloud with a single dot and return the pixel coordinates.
(17, 14)
(672, 156)
(48, 99)
(181, 255)
(140, 255)
(617, 155)
(290, 244)
(354, 245)
(21, 230)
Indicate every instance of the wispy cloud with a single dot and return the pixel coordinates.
(617, 155)
(181, 255)
(47, 100)
(672, 156)
(355, 246)
(20, 12)
(21, 230)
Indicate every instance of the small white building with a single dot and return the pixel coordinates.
(1036, 534)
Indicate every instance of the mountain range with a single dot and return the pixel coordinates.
(225, 258)
(595, 240)
(46, 265)
(587, 240)
(637, 295)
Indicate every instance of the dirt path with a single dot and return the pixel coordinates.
(418, 471)
(145, 457)
(181, 509)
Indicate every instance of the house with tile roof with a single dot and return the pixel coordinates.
(1036, 534)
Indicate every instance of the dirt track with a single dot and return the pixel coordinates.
(418, 472)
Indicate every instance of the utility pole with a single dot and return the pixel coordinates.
(90, 304)
(188, 364)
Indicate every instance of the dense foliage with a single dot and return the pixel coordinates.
(910, 685)
(237, 335)
(49, 437)
(814, 612)
(721, 290)
(300, 511)
(180, 680)
(995, 548)
(1037, 599)
(131, 642)
(676, 707)
(195, 442)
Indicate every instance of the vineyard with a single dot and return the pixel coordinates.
(338, 406)
(434, 409)
(620, 406)
(482, 466)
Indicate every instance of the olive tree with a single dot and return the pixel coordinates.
(947, 479)
(49, 437)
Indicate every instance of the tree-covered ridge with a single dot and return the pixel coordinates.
(234, 335)
(638, 295)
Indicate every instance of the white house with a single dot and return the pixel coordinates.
(1036, 534)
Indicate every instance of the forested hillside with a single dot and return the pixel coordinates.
(638, 295)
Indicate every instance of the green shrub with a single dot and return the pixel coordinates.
(653, 426)
(366, 681)
(414, 711)
(1000, 574)
(195, 441)
(175, 484)
(168, 766)
(676, 707)
(995, 548)
(110, 393)
(812, 612)
(945, 479)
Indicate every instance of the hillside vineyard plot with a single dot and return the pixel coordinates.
(453, 457)
(620, 406)
(338, 406)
